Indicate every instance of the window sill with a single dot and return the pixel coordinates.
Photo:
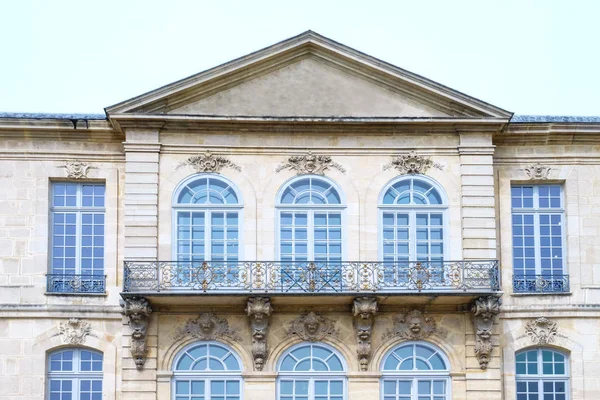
(542, 294)
(104, 294)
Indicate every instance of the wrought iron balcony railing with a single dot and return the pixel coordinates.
(541, 283)
(75, 283)
(238, 277)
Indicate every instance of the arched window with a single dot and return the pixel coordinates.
(542, 374)
(207, 371)
(311, 371)
(74, 374)
(412, 223)
(415, 371)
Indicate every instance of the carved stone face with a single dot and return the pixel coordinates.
(311, 163)
(363, 334)
(414, 325)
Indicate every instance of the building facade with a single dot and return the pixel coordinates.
(303, 223)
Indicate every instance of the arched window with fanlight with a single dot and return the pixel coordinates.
(311, 371)
(415, 371)
(542, 373)
(207, 371)
(412, 227)
(74, 374)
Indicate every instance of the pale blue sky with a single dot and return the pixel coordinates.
(529, 57)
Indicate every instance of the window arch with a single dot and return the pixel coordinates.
(311, 371)
(542, 373)
(207, 371)
(415, 371)
(207, 214)
(74, 373)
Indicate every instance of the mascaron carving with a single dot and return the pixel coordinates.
(412, 326)
(138, 311)
(207, 326)
(76, 169)
(484, 310)
(411, 163)
(541, 331)
(537, 171)
(312, 327)
(74, 331)
(259, 310)
(310, 164)
(208, 162)
(364, 311)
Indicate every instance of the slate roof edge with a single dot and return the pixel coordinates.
(27, 115)
(572, 119)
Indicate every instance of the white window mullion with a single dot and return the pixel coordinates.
(208, 235)
(310, 235)
(536, 242)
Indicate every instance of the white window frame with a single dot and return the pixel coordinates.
(207, 377)
(415, 376)
(412, 210)
(78, 210)
(76, 375)
(537, 211)
(208, 210)
(312, 376)
(310, 209)
(540, 377)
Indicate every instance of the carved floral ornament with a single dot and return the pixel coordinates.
(209, 162)
(413, 325)
(76, 169)
(74, 331)
(312, 327)
(538, 171)
(541, 331)
(411, 163)
(137, 310)
(310, 164)
(207, 326)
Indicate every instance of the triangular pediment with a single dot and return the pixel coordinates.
(308, 76)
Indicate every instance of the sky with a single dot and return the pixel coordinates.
(528, 57)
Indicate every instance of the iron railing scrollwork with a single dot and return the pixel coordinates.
(75, 283)
(541, 283)
(310, 276)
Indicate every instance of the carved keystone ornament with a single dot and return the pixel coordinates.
(259, 310)
(310, 164)
(209, 162)
(541, 331)
(411, 163)
(537, 171)
(207, 326)
(484, 309)
(74, 331)
(312, 327)
(364, 310)
(412, 326)
(138, 311)
(76, 169)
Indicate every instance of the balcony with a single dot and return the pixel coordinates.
(160, 278)
(533, 284)
(75, 284)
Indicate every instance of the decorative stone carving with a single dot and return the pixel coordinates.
(312, 327)
(411, 163)
(209, 162)
(541, 331)
(207, 326)
(412, 326)
(364, 310)
(310, 164)
(74, 331)
(537, 171)
(259, 310)
(76, 169)
(138, 311)
(484, 310)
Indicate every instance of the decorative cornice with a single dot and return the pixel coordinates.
(310, 164)
(312, 327)
(484, 309)
(137, 310)
(76, 169)
(411, 163)
(541, 331)
(207, 326)
(259, 310)
(209, 162)
(364, 310)
(74, 331)
(413, 325)
(537, 171)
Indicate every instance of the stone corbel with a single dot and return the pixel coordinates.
(137, 310)
(484, 309)
(259, 310)
(364, 310)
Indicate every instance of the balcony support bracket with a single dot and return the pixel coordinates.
(484, 310)
(137, 310)
(259, 310)
(364, 310)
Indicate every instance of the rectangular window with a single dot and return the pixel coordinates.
(77, 235)
(538, 239)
